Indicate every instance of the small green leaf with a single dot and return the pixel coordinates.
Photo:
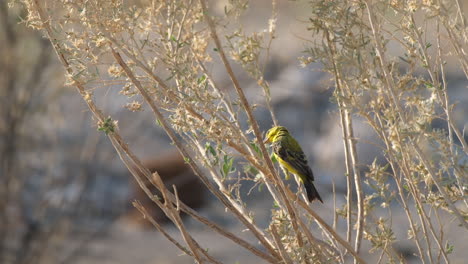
(255, 147)
(249, 169)
(201, 79)
(260, 187)
(209, 149)
(227, 165)
(107, 126)
(273, 158)
(429, 85)
(449, 248)
(258, 177)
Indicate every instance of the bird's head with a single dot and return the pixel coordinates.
(273, 132)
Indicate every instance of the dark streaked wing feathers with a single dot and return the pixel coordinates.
(295, 158)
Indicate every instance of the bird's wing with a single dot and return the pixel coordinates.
(292, 153)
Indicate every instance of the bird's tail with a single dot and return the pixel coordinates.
(312, 193)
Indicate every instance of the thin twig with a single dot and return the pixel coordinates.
(357, 181)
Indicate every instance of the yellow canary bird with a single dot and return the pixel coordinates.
(291, 157)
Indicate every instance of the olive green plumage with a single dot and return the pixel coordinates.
(291, 157)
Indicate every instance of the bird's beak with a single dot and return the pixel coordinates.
(266, 140)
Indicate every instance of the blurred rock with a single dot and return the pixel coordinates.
(173, 171)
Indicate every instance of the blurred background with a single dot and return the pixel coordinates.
(65, 197)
